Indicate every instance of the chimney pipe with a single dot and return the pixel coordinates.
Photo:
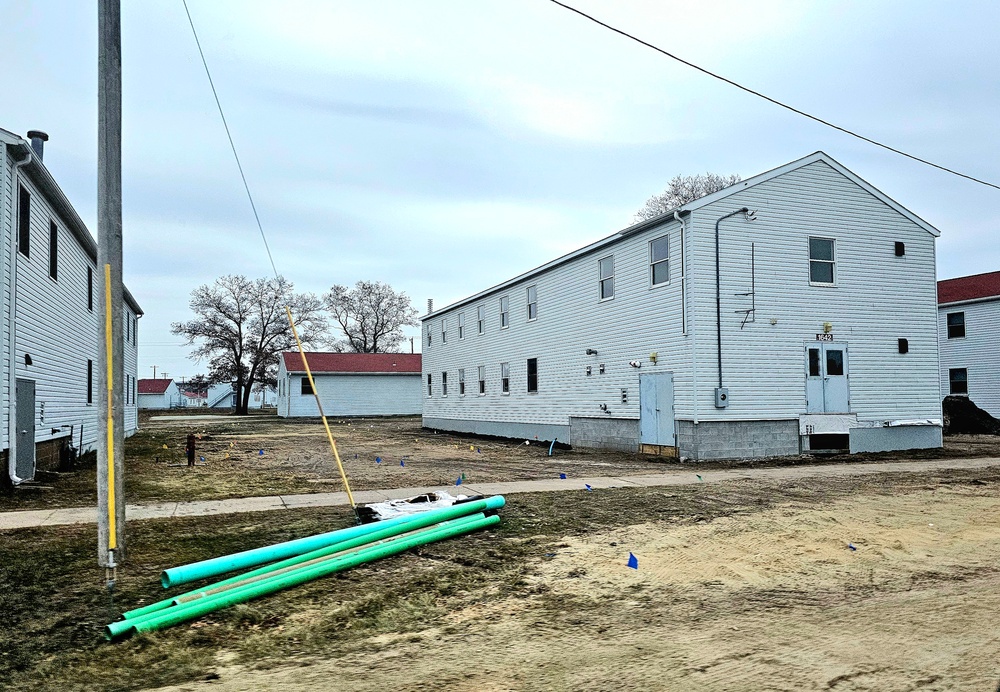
(38, 140)
(430, 305)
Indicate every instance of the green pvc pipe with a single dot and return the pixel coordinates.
(420, 522)
(182, 613)
(250, 558)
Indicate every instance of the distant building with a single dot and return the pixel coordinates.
(350, 384)
(710, 332)
(969, 320)
(52, 288)
(156, 395)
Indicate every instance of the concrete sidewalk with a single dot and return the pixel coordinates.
(88, 515)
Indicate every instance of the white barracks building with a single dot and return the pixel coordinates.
(794, 311)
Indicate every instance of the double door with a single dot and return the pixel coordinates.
(827, 386)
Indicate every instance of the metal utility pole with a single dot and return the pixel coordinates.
(111, 440)
(154, 371)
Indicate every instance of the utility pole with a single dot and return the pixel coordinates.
(111, 440)
(154, 371)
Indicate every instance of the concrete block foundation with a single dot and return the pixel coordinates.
(737, 439)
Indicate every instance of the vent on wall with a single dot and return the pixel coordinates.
(904, 346)
(900, 249)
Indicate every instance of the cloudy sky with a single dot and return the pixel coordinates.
(444, 146)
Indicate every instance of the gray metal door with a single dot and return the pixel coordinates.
(25, 465)
(656, 409)
(827, 388)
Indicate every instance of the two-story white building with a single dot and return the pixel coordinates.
(794, 311)
(50, 316)
(969, 319)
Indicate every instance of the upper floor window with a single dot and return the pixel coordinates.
(532, 303)
(481, 318)
(532, 375)
(90, 289)
(504, 312)
(53, 250)
(606, 270)
(956, 325)
(429, 328)
(444, 330)
(659, 260)
(958, 381)
(461, 325)
(821, 261)
(505, 378)
(24, 222)
(461, 381)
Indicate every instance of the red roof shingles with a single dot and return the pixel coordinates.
(151, 386)
(353, 362)
(969, 287)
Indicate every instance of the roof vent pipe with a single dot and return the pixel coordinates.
(38, 140)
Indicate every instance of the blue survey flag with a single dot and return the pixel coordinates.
(378, 460)
(633, 561)
(402, 463)
(458, 481)
(201, 458)
(852, 546)
(587, 485)
(562, 476)
(261, 453)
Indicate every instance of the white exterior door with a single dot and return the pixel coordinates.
(827, 389)
(25, 459)
(656, 409)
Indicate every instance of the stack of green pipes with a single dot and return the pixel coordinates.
(300, 561)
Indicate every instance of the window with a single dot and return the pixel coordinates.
(444, 384)
(504, 312)
(814, 362)
(306, 387)
(53, 250)
(659, 261)
(821, 261)
(606, 269)
(958, 381)
(429, 334)
(444, 331)
(505, 378)
(482, 380)
(532, 303)
(482, 319)
(461, 381)
(90, 289)
(532, 375)
(430, 385)
(461, 325)
(128, 326)
(956, 325)
(90, 381)
(24, 222)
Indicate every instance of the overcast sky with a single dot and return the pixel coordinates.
(444, 146)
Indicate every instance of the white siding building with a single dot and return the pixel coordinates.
(159, 394)
(350, 384)
(817, 330)
(50, 317)
(968, 323)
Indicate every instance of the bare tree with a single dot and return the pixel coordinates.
(371, 315)
(683, 189)
(241, 328)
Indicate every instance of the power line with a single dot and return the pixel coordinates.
(230, 136)
(775, 101)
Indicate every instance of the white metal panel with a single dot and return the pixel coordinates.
(362, 394)
(977, 351)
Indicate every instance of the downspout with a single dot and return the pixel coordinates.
(12, 314)
(685, 331)
(718, 289)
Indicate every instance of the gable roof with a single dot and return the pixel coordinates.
(151, 386)
(321, 362)
(975, 287)
(668, 217)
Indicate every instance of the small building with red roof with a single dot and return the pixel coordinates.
(350, 384)
(968, 320)
(158, 394)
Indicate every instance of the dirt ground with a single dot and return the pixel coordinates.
(266, 455)
(885, 586)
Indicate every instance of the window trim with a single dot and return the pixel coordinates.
(505, 378)
(601, 279)
(505, 312)
(948, 326)
(53, 250)
(531, 303)
(530, 375)
(832, 263)
(653, 263)
(951, 381)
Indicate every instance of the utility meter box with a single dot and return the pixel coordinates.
(721, 397)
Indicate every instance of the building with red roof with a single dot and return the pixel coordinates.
(350, 384)
(968, 319)
(158, 394)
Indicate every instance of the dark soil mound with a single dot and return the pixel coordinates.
(962, 416)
